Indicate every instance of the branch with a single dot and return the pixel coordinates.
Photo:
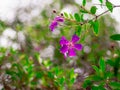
(97, 16)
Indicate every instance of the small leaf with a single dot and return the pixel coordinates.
(115, 37)
(102, 64)
(66, 15)
(96, 69)
(77, 17)
(101, 1)
(71, 16)
(109, 6)
(61, 80)
(83, 11)
(82, 17)
(84, 2)
(72, 80)
(78, 30)
(95, 26)
(93, 9)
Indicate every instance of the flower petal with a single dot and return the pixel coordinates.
(71, 52)
(75, 38)
(78, 46)
(63, 41)
(65, 55)
(59, 19)
(64, 49)
(53, 25)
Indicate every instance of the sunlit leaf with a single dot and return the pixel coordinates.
(84, 2)
(102, 64)
(66, 15)
(95, 27)
(96, 69)
(93, 9)
(109, 6)
(77, 17)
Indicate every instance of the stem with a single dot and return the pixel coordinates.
(87, 10)
(95, 18)
(103, 13)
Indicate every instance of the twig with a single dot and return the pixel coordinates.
(87, 10)
(97, 16)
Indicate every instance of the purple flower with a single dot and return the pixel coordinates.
(55, 22)
(69, 47)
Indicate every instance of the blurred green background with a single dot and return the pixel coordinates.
(29, 52)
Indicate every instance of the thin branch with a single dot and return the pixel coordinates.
(95, 16)
(87, 10)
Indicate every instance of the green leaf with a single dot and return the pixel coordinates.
(84, 2)
(50, 75)
(95, 27)
(39, 74)
(78, 30)
(102, 64)
(77, 17)
(109, 6)
(115, 85)
(115, 37)
(71, 16)
(72, 80)
(93, 9)
(66, 15)
(83, 11)
(98, 88)
(86, 83)
(61, 80)
(116, 67)
(82, 17)
(96, 69)
(101, 1)
(108, 75)
(110, 62)
(96, 78)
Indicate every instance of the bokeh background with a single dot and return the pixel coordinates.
(24, 33)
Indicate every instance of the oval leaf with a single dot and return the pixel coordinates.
(102, 64)
(84, 2)
(115, 37)
(109, 6)
(77, 17)
(93, 9)
(66, 15)
(95, 26)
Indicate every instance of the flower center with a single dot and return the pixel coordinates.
(70, 45)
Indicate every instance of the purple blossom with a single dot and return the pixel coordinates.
(55, 22)
(69, 47)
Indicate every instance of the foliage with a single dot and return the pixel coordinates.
(95, 66)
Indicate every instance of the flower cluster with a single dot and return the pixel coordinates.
(67, 47)
(55, 22)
